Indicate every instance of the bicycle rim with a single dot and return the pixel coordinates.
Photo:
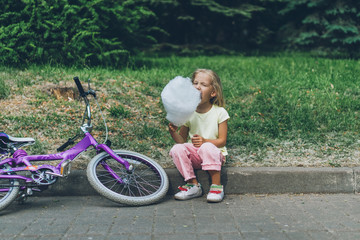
(9, 190)
(146, 184)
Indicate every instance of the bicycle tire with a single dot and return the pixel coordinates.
(7, 197)
(146, 184)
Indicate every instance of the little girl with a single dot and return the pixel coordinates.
(207, 132)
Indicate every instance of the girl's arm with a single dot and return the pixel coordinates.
(219, 142)
(181, 136)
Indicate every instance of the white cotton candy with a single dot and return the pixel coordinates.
(180, 100)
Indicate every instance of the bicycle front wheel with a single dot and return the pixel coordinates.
(147, 183)
(9, 190)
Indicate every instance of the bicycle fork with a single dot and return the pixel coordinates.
(126, 164)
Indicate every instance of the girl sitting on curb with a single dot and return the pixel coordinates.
(207, 132)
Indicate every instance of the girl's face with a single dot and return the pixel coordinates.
(203, 83)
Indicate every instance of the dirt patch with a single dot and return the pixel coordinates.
(63, 93)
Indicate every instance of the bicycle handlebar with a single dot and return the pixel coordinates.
(87, 114)
(80, 87)
(83, 94)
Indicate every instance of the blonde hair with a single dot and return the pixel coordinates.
(216, 83)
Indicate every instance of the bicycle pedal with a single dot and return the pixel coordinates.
(29, 192)
(21, 199)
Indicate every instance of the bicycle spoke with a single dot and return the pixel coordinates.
(139, 183)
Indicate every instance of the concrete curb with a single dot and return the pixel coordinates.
(237, 180)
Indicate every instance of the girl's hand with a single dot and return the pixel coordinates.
(197, 140)
(179, 135)
(172, 128)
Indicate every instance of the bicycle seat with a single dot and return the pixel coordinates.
(6, 140)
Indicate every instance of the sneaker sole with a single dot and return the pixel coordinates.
(188, 198)
(214, 200)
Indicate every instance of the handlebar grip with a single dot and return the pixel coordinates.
(79, 86)
(62, 147)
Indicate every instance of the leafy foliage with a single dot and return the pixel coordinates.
(71, 31)
(107, 32)
(194, 22)
(332, 27)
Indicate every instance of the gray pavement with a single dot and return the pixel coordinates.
(249, 216)
(260, 203)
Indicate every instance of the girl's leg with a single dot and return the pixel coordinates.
(186, 160)
(215, 177)
(212, 160)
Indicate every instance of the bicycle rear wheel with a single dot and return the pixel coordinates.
(9, 190)
(147, 183)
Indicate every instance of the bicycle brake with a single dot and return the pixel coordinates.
(21, 199)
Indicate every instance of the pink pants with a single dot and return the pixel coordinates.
(187, 158)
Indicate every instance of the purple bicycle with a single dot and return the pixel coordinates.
(122, 176)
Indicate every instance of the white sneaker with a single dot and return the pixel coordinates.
(216, 193)
(189, 191)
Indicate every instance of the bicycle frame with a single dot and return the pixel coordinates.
(61, 170)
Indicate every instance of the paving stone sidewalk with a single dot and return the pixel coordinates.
(285, 216)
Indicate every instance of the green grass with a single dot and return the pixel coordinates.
(4, 89)
(271, 100)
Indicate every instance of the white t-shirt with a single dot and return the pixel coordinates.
(207, 124)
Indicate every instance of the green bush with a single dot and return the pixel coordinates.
(71, 31)
(329, 27)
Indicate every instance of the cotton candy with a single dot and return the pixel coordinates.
(180, 100)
